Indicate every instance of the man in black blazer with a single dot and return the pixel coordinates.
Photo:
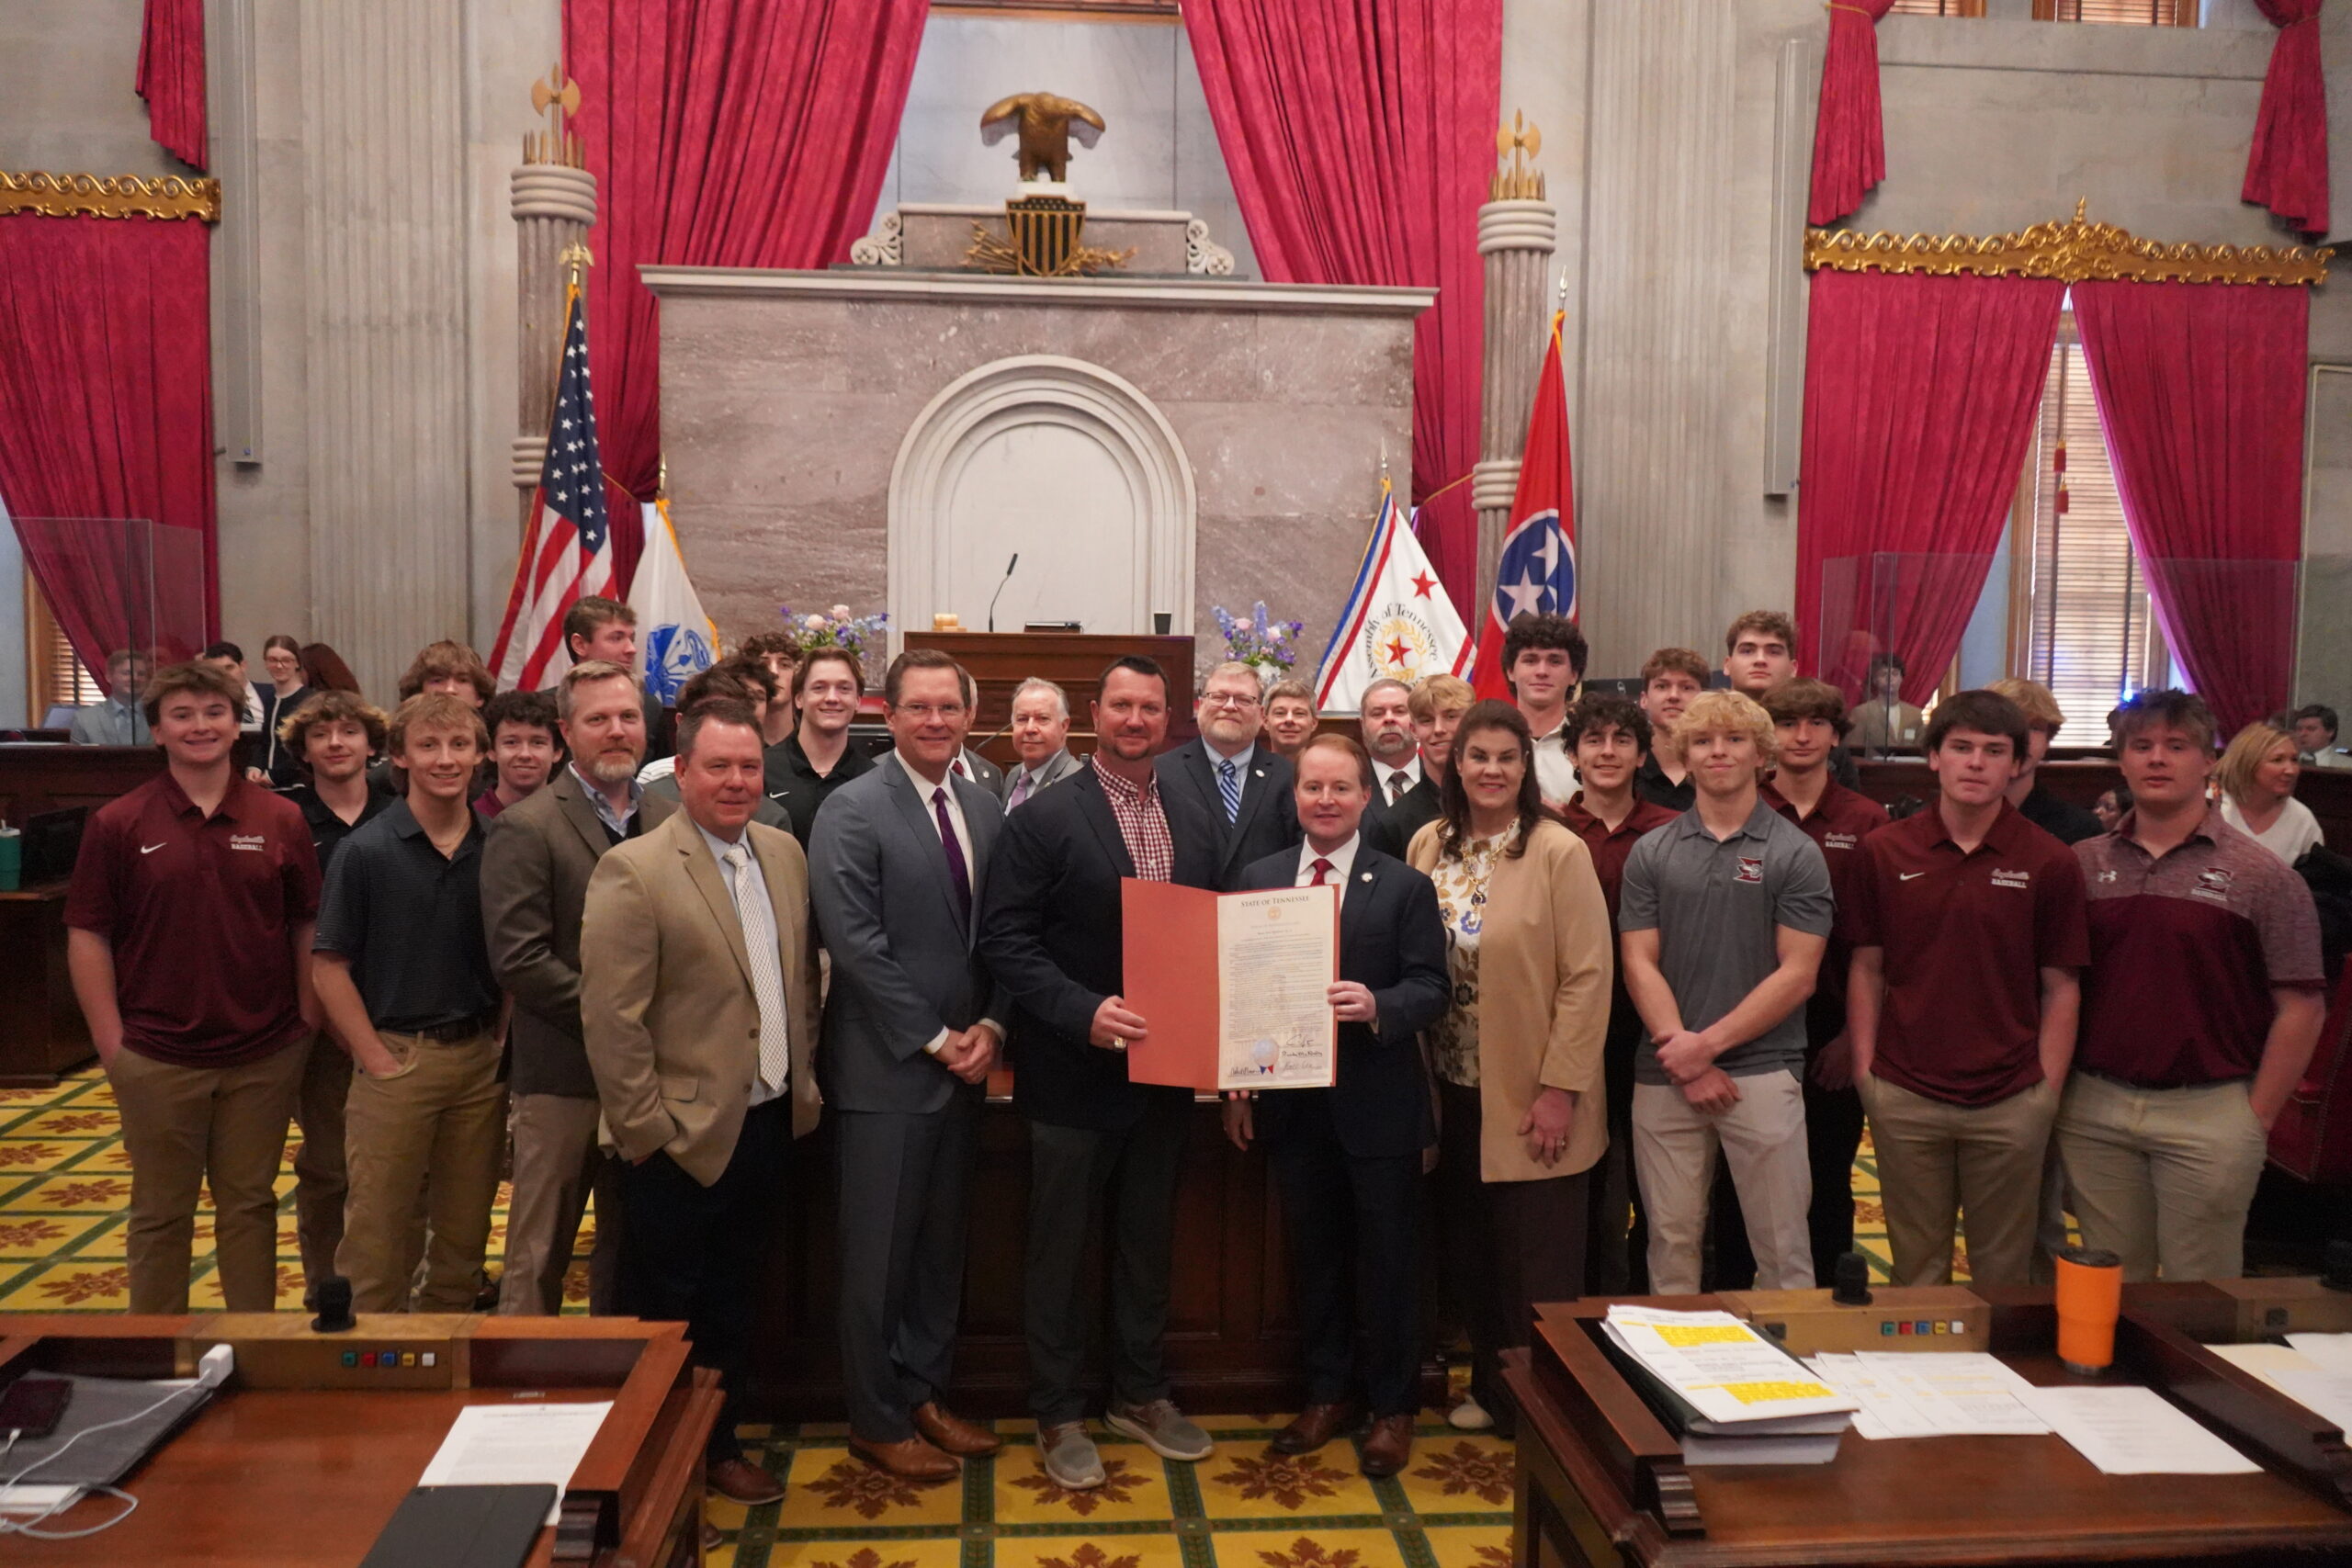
(913, 1024)
(1349, 1158)
(1238, 786)
(1051, 933)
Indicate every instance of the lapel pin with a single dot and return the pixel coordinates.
(1365, 876)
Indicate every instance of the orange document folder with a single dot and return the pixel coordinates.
(1184, 946)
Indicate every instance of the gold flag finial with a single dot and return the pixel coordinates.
(2082, 207)
(1520, 141)
(556, 99)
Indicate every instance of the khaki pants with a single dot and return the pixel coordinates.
(321, 1181)
(556, 1164)
(422, 1147)
(186, 1128)
(2162, 1177)
(1937, 1159)
(1762, 1139)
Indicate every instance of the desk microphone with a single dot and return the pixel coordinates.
(1850, 1284)
(334, 1306)
(1000, 588)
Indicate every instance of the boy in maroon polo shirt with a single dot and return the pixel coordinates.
(189, 929)
(1610, 738)
(1810, 718)
(2200, 1008)
(1968, 928)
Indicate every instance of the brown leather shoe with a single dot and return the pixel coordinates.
(965, 1439)
(1314, 1426)
(1390, 1446)
(911, 1459)
(744, 1481)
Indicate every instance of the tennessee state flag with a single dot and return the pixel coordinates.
(1537, 570)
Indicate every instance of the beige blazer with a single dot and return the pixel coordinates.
(666, 1006)
(1545, 959)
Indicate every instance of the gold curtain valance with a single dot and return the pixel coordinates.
(110, 196)
(2074, 251)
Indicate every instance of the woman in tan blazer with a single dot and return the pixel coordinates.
(1516, 1056)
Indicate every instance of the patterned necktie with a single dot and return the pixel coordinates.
(1228, 784)
(1397, 784)
(1020, 789)
(1323, 869)
(767, 969)
(958, 871)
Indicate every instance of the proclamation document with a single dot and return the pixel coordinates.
(1277, 954)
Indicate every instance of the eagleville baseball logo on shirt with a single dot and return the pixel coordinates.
(258, 842)
(1841, 840)
(2003, 878)
(2213, 882)
(1751, 870)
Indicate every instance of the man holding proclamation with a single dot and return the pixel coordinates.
(1349, 1158)
(1051, 930)
(911, 1029)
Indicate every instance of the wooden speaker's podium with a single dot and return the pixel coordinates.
(1601, 1478)
(999, 661)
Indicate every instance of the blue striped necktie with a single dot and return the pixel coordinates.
(1228, 784)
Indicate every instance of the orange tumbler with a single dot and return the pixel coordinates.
(2090, 1296)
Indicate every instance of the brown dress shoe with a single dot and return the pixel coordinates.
(744, 1481)
(911, 1459)
(1389, 1447)
(1314, 1426)
(965, 1439)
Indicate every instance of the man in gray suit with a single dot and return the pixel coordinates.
(534, 870)
(1041, 739)
(896, 858)
(969, 764)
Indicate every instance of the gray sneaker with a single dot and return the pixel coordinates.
(1069, 1456)
(1161, 1427)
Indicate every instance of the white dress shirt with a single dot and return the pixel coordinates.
(1343, 861)
(1555, 771)
(1390, 793)
(719, 848)
(923, 788)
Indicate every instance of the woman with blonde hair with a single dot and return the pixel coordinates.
(1518, 1052)
(2257, 780)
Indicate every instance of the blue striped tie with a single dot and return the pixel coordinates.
(1228, 784)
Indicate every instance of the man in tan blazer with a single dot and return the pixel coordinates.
(698, 996)
(534, 870)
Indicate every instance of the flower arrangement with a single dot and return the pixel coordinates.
(862, 634)
(1267, 644)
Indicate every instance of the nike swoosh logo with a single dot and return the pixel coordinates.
(1907, 875)
(150, 849)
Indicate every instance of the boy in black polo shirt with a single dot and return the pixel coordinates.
(1968, 928)
(404, 976)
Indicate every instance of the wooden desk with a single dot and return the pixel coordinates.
(36, 777)
(41, 1030)
(1601, 1480)
(299, 1461)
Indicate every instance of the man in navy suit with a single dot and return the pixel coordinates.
(1240, 787)
(1349, 1158)
(913, 1025)
(1051, 932)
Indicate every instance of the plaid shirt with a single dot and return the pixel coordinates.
(1142, 822)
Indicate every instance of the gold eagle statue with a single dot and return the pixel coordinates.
(1047, 121)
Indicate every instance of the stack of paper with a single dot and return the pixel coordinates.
(2319, 1386)
(1733, 1395)
(1956, 1394)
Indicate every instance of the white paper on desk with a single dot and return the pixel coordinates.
(2325, 1394)
(1721, 1366)
(2333, 1351)
(1963, 1394)
(1884, 1412)
(515, 1445)
(2135, 1431)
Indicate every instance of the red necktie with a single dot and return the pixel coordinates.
(1323, 869)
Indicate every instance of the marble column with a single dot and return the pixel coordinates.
(385, 329)
(1516, 239)
(554, 205)
(1654, 493)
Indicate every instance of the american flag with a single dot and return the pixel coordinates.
(567, 550)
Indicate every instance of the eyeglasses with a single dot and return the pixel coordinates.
(1227, 700)
(923, 713)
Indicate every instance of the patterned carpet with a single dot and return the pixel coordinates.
(66, 1181)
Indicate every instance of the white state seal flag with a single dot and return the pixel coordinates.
(1398, 623)
(676, 638)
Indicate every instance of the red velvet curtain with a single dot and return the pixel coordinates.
(171, 77)
(1360, 137)
(1919, 397)
(105, 412)
(2201, 391)
(2287, 169)
(721, 134)
(1848, 139)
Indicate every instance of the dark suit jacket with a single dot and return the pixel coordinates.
(1269, 819)
(904, 966)
(1051, 933)
(1392, 942)
(1389, 829)
(535, 868)
(986, 775)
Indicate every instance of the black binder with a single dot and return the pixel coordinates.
(463, 1527)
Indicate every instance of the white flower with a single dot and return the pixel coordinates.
(814, 623)
(839, 611)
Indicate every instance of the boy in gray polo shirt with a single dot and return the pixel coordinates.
(1724, 917)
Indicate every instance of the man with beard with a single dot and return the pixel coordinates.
(1385, 712)
(535, 875)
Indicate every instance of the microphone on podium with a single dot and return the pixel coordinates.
(1000, 588)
